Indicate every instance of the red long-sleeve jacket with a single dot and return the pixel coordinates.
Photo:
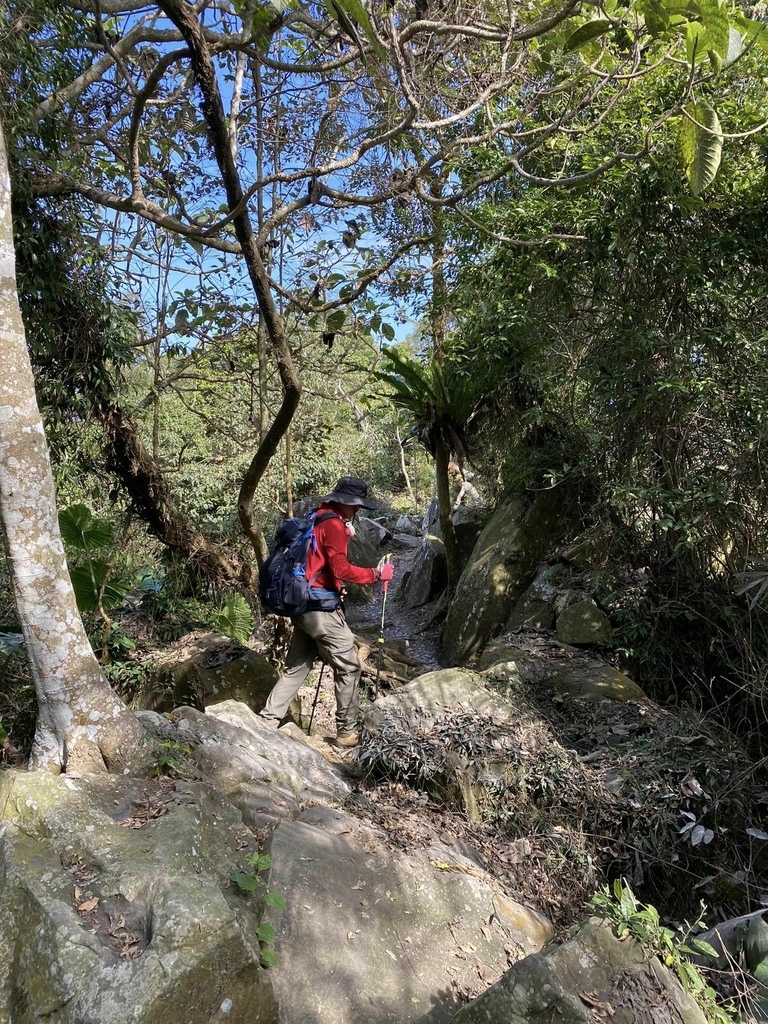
(328, 556)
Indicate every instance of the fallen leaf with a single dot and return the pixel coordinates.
(88, 905)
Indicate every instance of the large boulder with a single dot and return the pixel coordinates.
(372, 530)
(428, 576)
(594, 976)
(372, 935)
(514, 541)
(565, 670)
(118, 906)
(206, 668)
(582, 622)
(264, 772)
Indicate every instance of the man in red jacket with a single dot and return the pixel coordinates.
(326, 633)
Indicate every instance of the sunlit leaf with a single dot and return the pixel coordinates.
(714, 18)
(235, 619)
(82, 530)
(701, 144)
(586, 33)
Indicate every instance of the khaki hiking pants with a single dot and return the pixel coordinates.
(325, 635)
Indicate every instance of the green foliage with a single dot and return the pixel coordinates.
(236, 618)
(641, 921)
(82, 530)
(94, 584)
(439, 401)
(169, 758)
(701, 143)
(252, 883)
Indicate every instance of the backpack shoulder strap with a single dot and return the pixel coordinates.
(326, 515)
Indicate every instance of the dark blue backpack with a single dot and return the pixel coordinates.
(283, 585)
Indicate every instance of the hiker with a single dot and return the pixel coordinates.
(326, 633)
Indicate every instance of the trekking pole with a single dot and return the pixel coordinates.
(385, 585)
(314, 703)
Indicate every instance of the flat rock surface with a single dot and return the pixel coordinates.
(375, 936)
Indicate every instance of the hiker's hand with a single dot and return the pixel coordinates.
(385, 570)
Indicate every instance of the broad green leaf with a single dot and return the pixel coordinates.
(265, 932)
(268, 958)
(754, 31)
(704, 947)
(656, 17)
(82, 530)
(697, 41)
(335, 320)
(235, 619)
(247, 883)
(586, 33)
(701, 147)
(714, 18)
(87, 581)
(388, 331)
(274, 899)
(10, 642)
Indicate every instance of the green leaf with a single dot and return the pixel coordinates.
(656, 18)
(350, 14)
(586, 33)
(335, 320)
(388, 331)
(268, 958)
(87, 581)
(248, 883)
(274, 899)
(696, 41)
(82, 530)
(704, 947)
(701, 147)
(235, 619)
(265, 932)
(714, 18)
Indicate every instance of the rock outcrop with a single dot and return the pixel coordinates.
(117, 894)
(206, 668)
(504, 560)
(594, 976)
(428, 576)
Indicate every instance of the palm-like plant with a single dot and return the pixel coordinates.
(441, 404)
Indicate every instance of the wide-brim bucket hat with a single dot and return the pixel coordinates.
(350, 490)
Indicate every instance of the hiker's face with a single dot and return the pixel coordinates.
(347, 511)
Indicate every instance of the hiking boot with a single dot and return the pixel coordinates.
(351, 739)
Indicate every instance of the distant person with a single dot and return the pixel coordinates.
(325, 634)
(460, 486)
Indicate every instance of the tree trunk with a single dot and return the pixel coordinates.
(185, 18)
(443, 452)
(139, 473)
(445, 512)
(81, 723)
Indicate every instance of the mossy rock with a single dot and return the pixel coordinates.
(503, 563)
(207, 669)
(582, 622)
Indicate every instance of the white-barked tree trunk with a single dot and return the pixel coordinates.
(81, 723)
